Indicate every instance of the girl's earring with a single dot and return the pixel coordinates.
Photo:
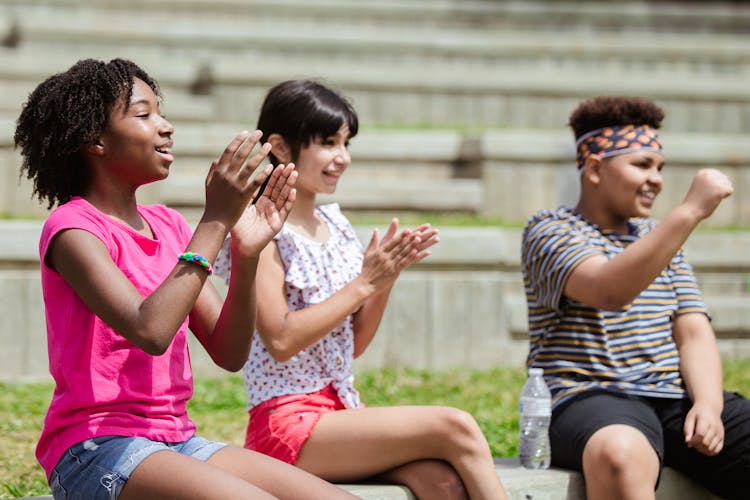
(96, 149)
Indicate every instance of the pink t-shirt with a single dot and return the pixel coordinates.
(104, 384)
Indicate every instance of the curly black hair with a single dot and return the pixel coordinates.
(605, 111)
(64, 115)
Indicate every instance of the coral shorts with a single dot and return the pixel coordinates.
(280, 426)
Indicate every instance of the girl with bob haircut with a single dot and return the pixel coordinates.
(323, 296)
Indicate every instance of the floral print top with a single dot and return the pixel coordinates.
(314, 272)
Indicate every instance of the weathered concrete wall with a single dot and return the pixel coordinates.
(463, 106)
(463, 306)
(507, 174)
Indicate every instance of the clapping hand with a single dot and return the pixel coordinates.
(385, 259)
(262, 220)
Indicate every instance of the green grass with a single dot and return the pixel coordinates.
(218, 409)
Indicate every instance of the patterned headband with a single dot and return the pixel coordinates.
(616, 140)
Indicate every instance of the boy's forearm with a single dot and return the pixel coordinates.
(700, 366)
(611, 284)
(700, 361)
(645, 259)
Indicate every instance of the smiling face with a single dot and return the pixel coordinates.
(627, 185)
(137, 140)
(321, 163)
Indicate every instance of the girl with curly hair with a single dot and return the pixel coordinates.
(123, 282)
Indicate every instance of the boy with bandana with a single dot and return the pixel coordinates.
(617, 322)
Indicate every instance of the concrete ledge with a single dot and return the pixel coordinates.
(463, 306)
(559, 16)
(523, 484)
(411, 79)
(357, 40)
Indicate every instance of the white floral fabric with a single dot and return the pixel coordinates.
(314, 272)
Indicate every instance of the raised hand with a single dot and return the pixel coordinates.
(261, 221)
(427, 236)
(709, 187)
(385, 259)
(229, 184)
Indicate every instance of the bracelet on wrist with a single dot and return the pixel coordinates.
(196, 258)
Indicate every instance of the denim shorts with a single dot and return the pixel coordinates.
(98, 468)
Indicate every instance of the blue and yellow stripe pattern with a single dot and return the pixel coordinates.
(581, 348)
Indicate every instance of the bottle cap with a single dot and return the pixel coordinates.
(535, 371)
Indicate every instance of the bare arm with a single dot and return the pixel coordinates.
(367, 319)
(700, 366)
(227, 337)
(610, 284)
(286, 332)
(151, 322)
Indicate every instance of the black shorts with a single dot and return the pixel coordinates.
(661, 421)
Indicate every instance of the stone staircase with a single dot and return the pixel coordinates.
(463, 104)
(415, 63)
(463, 108)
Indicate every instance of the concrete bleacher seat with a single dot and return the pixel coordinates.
(523, 484)
(352, 43)
(559, 16)
(444, 73)
(21, 70)
(412, 64)
(494, 97)
(463, 306)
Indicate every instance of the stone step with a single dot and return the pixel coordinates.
(353, 43)
(395, 73)
(225, 87)
(492, 97)
(507, 174)
(524, 484)
(463, 306)
(556, 17)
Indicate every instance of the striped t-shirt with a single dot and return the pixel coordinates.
(581, 348)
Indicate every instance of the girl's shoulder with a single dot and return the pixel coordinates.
(163, 214)
(332, 213)
(74, 214)
(80, 214)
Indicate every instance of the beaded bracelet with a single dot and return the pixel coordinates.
(198, 259)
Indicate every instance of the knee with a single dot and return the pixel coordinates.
(461, 429)
(619, 451)
(449, 483)
(437, 479)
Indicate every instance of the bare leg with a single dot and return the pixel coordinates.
(351, 445)
(428, 479)
(229, 473)
(620, 463)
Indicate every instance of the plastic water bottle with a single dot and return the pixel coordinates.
(535, 411)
